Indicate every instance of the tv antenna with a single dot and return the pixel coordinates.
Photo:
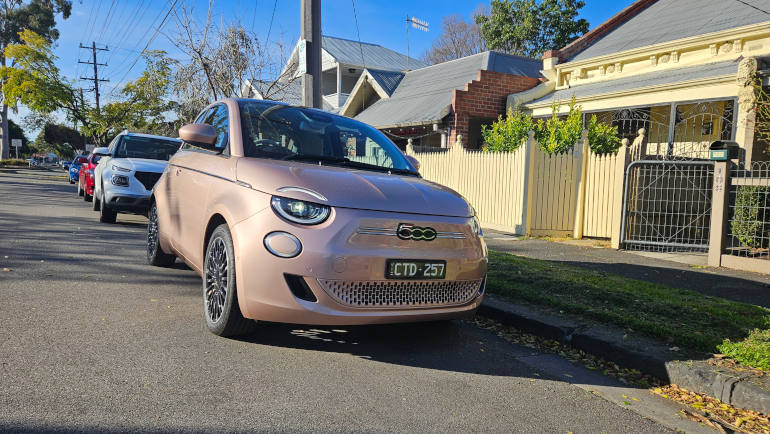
(417, 24)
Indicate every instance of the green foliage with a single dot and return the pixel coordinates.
(57, 145)
(753, 351)
(38, 16)
(603, 138)
(682, 317)
(16, 132)
(507, 133)
(14, 162)
(751, 220)
(555, 135)
(529, 28)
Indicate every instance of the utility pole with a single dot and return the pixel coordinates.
(311, 38)
(95, 78)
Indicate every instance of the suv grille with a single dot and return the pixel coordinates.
(401, 294)
(148, 179)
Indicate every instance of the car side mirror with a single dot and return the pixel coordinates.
(199, 135)
(413, 161)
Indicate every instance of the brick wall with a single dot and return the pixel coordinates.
(484, 97)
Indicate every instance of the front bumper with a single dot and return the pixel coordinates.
(335, 255)
(127, 202)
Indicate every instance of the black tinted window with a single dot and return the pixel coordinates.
(145, 147)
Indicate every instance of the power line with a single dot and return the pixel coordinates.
(270, 27)
(157, 30)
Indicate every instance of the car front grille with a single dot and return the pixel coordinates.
(393, 294)
(148, 179)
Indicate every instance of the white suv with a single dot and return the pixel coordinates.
(126, 174)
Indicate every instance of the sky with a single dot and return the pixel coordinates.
(126, 27)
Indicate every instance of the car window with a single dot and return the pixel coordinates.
(152, 148)
(202, 116)
(218, 118)
(285, 132)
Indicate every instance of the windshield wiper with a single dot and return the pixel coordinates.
(360, 165)
(311, 157)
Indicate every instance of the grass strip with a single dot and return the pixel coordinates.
(679, 317)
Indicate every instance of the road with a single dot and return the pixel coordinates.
(93, 339)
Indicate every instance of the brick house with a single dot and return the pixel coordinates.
(434, 104)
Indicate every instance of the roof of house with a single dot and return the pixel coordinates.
(657, 78)
(669, 20)
(388, 80)
(368, 55)
(291, 93)
(424, 95)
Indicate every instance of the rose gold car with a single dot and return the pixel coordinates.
(297, 215)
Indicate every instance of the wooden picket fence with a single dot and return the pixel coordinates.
(528, 191)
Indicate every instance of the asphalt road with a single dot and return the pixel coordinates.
(93, 339)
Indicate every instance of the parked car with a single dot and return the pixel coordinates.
(127, 173)
(74, 167)
(297, 215)
(86, 174)
(65, 164)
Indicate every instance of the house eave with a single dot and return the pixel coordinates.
(643, 90)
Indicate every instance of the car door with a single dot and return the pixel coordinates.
(197, 173)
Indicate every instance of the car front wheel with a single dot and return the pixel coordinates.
(220, 301)
(106, 214)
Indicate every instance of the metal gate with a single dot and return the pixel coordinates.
(667, 205)
(668, 185)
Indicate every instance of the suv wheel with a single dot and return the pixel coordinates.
(96, 203)
(220, 301)
(106, 214)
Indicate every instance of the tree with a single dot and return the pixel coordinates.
(141, 106)
(59, 139)
(529, 28)
(35, 81)
(38, 16)
(221, 62)
(459, 38)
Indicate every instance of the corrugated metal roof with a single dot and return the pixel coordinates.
(667, 76)
(424, 95)
(374, 56)
(388, 80)
(669, 20)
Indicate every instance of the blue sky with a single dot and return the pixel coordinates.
(127, 26)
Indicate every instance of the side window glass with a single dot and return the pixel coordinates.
(202, 116)
(218, 118)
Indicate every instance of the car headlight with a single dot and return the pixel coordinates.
(119, 180)
(299, 211)
(120, 169)
(475, 226)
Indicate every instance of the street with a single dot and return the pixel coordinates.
(94, 339)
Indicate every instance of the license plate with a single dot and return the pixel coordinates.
(414, 269)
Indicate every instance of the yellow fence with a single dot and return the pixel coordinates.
(532, 192)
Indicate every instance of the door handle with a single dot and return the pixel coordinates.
(178, 171)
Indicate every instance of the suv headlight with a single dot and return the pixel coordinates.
(120, 169)
(119, 180)
(299, 211)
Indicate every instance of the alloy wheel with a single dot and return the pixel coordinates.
(216, 278)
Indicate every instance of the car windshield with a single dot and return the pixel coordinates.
(146, 147)
(283, 132)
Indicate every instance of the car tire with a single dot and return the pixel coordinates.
(220, 298)
(71, 181)
(87, 197)
(106, 214)
(96, 204)
(155, 254)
